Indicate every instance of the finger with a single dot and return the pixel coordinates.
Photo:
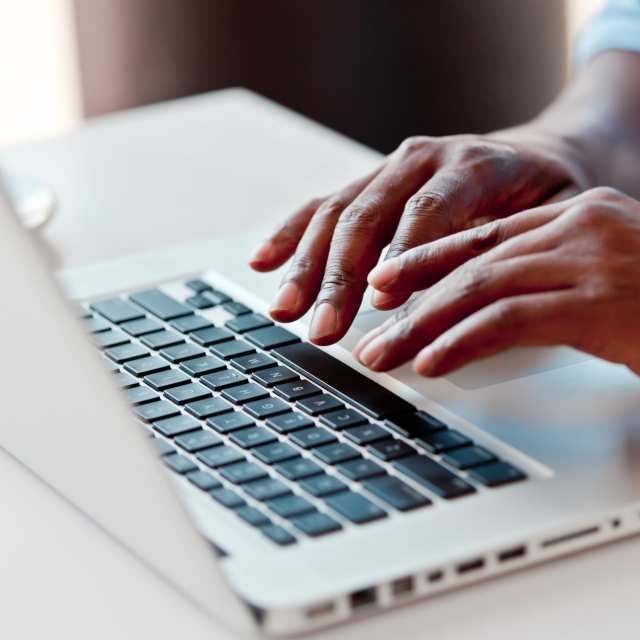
(462, 294)
(275, 250)
(388, 301)
(363, 230)
(301, 283)
(542, 319)
(421, 267)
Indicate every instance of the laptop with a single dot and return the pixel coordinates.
(283, 487)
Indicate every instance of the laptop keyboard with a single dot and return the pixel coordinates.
(294, 441)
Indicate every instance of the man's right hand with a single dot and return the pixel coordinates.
(427, 189)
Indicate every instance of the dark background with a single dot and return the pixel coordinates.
(375, 70)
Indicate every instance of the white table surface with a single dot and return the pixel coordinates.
(174, 173)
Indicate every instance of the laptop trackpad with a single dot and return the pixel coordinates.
(515, 363)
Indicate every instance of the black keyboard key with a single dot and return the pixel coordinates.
(198, 440)
(215, 297)
(106, 339)
(156, 411)
(322, 485)
(290, 506)
(271, 337)
(212, 335)
(396, 493)
(95, 325)
(203, 480)
(317, 405)
(244, 393)
(199, 302)
(80, 311)
(109, 366)
(293, 391)
(263, 409)
(252, 516)
(339, 378)
(335, 452)
(223, 380)
(316, 524)
(415, 425)
(181, 352)
(161, 339)
(247, 322)
(116, 310)
(267, 489)
(125, 352)
(390, 449)
(171, 427)
(343, 418)
(236, 308)
(273, 376)
(208, 407)
(190, 323)
(252, 437)
(278, 534)
(243, 472)
(125, 381)
(198, 285)
(219, 456)
(355, 507)
(140, 395)
(227, 498)
(360, 469)
(232, 349)
(160, 304)
(141, 327)
(202, 366)
(434, 476)
(253, 362)
(496, 474)
(275, 452)
(444, 441)
(179, 463)
(146, 366)
(187, 393)
(162, 447)
(366, 434)
(298, 468)
(312, 437)
(166, 379)
(468, 457)
(287, 422)
(230, 422)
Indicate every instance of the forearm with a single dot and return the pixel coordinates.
(595, 122)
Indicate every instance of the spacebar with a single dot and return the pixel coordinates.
(339, 378)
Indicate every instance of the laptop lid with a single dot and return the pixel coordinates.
(77, 435)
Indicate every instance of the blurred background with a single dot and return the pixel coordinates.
(375, 70)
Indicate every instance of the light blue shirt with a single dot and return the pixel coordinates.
(617, 26)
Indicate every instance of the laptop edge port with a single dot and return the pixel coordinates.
(472, 565)
(363, 598)
(512, 554)
(402, 586)
(320, 609)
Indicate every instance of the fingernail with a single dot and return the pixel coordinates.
(384, 274)
(323, 322)
(379, 299)
(262, 252)
(364, 341)
(286, 298)
(373, 351)
(424, 362)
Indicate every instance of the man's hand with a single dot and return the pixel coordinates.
(424, 191)
(567, 273)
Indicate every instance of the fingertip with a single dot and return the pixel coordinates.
(262, 257)
(384, 274)
(387, 301)
(424, 363)
(363, 342)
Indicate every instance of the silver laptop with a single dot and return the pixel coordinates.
(284, 487)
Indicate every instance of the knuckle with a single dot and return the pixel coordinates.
(339, 274)
(332, 208)
(414, 144)
(302, 263)
(473, 282)
(481, 239)
(365, 214)
(509, 315)
(606, 194)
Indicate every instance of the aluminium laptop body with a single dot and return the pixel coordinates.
(431, 484)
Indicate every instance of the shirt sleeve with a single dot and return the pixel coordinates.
(617, 26)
